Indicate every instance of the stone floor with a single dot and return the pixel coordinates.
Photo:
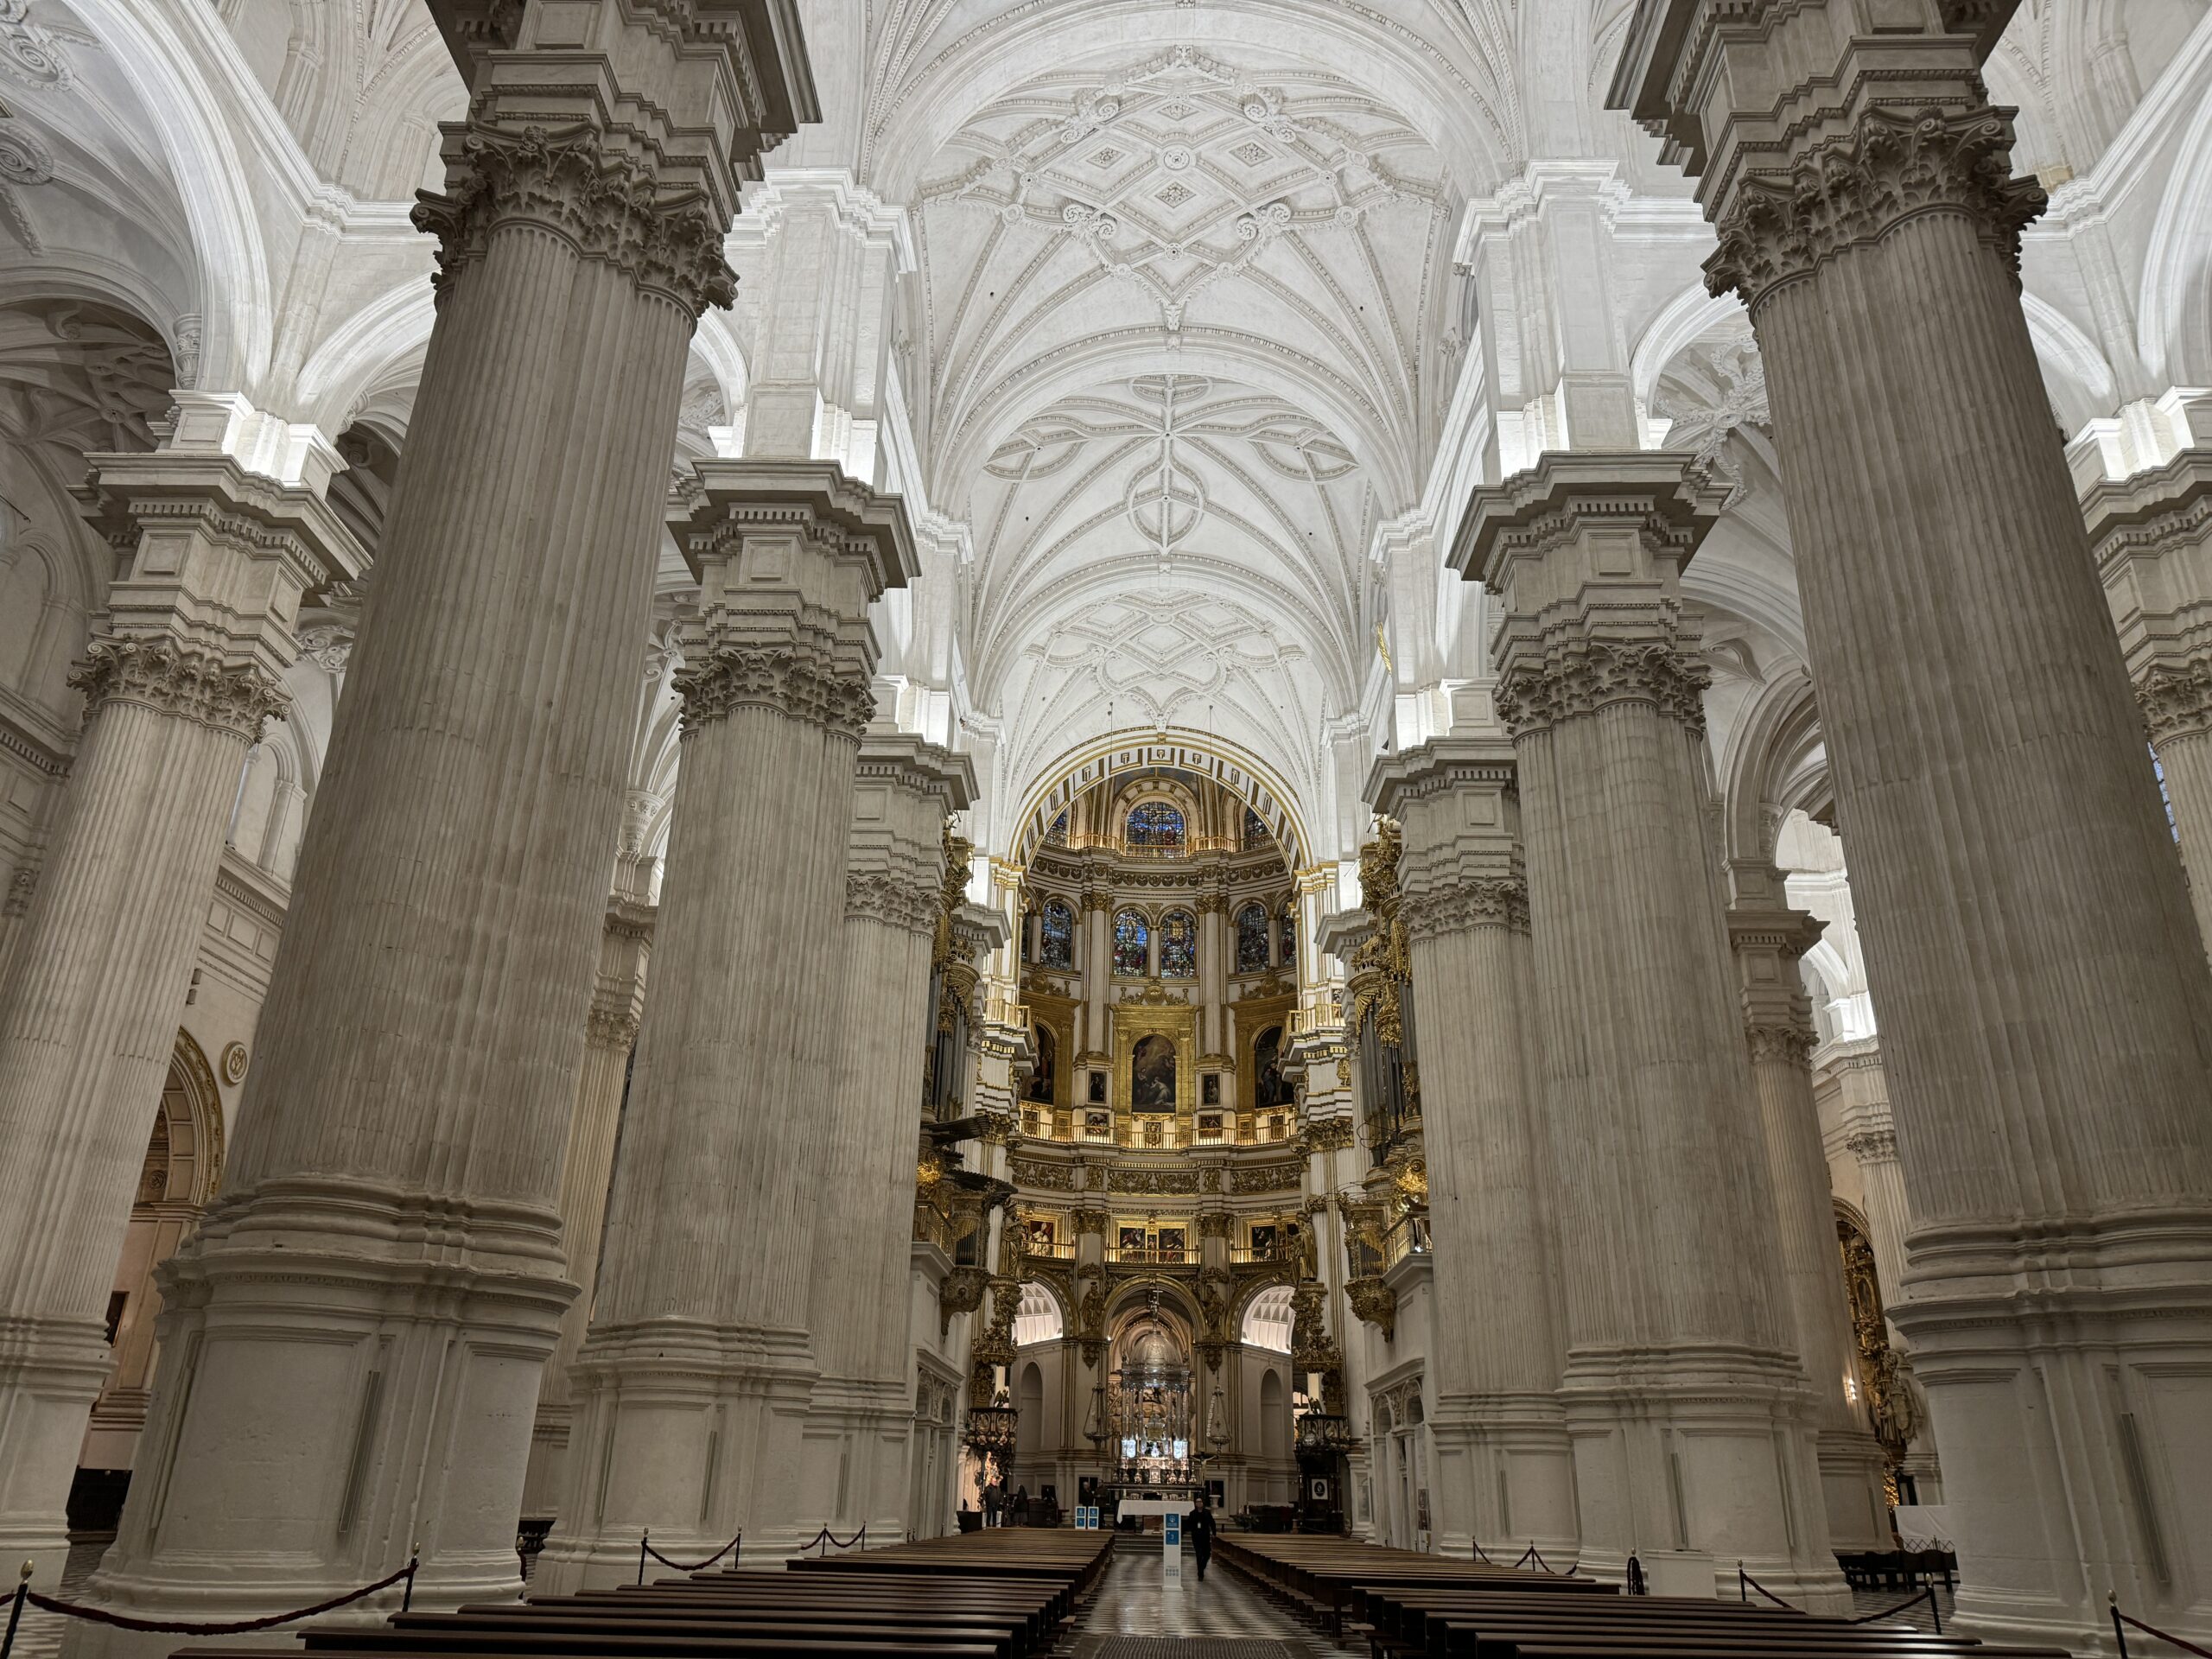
(1135, 1615)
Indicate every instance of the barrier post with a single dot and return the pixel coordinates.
(642, 1535)
(2112, 1600)
(1935, 1610)
(414, 1560)
(24, 1588)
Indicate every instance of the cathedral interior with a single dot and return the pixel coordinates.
(1435, 772)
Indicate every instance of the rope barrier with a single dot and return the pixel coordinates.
(1480, 1556)
(1532, 1553)
(826, 1538)
(2120, 1621)
(1934, 1607)
(646, 1548)
(25, 1595)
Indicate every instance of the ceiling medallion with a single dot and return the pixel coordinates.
(1176, 157)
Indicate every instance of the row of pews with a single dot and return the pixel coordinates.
(1409, 1604)
(1005, 1593)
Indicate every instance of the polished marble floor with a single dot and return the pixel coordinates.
(1137, 1615)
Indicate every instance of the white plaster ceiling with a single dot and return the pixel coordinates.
(1176, 349)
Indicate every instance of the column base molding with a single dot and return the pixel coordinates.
(2069, 1377)
(401, 1326)
(51, 1370)
(1504, 1476)
(689, 1431)
(857, 1434)
(1851, 1471)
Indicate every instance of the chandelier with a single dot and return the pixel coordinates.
(1323, 1431)
(990, 1431)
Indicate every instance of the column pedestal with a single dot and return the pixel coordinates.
(215, 560)
(1504, 1472)
(692, 1388)
(2045, 999)
(862, 1412)
(1688, 1409)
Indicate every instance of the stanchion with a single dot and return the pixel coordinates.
(23, 1589)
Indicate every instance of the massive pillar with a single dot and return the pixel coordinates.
(214, 559)
(610, 1034)
(1504, 1470)
(1768, 938)
(1688, 1407)
(862, 1411)
(369, 1303)
(2152, 534)
(2045, 999)
(691, 1390)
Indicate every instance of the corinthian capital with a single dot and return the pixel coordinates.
(801, 680)
(1580, 677)
(1482, 901)
(895, 901)
(177, 680)
(2177, 701)
(1785, 1041)
(606, 204)
(1873, 1146)
(1852, 189)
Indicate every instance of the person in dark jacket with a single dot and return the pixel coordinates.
(1200, 1527)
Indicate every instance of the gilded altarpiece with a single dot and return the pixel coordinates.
(1056, 1015)
(1251, 1017)
(1179, 1024)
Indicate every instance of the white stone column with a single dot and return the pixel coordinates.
(692, 1386)
(1769, 937)
(2152, 534)
(862, 1409)
(1098, 983)
(369, 1304)
(2044, 994)
(1504, 1474)
(1688, 1407)
(214, 559)
(610, 1034)
(1213, 978)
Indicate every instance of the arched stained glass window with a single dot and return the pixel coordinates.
(1290, 934)
(1059, 832)
(1056, 935)
(1179, 945)
(1251, 939)
(1256, 833)
(1156, 823)
(1132, 943)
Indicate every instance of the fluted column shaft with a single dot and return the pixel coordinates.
(2045, 999)
(1681, 1386)
(1504, 1475)
(2151, 535)
(594, 1123)
(1768, 938)
(894, 886)
(370, 1302)
(177, 685)
(691, 1388)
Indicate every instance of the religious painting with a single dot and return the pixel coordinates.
(1044, 1078)
(1098, 1125)
(1268, 1090)
(1172, 1243)
(1132, 944)
(1096, 1095)
(1151, 1075)
(1210, 1088)
(1251, 940)
(1156, 823)
(1179, 945)
(1130, 1240)
(1263, 1240)
(1056, 935)
(1039, 1235)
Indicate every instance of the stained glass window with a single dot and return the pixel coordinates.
(1059, 832)
(1255, 832)
(1132, 942)
(1251, 939)
(1179, 945)
(1290, 936)
(1156, 823)
(1056, 936)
